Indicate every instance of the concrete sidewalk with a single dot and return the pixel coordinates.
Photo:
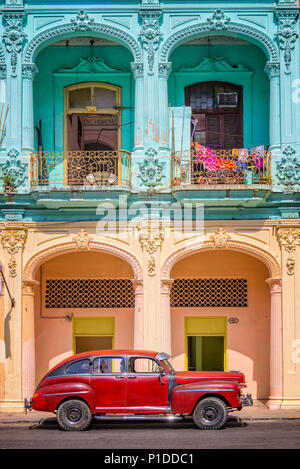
(258, 412)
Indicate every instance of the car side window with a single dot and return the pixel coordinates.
(143, 365)
(108, 365)
(79, 367)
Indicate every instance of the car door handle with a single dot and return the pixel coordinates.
(132, 377)
(119, 377)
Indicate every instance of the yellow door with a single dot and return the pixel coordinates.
(93, 334)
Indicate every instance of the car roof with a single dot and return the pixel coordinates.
(92, 353)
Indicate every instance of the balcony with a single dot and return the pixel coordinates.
(56, 170)
(204, 169)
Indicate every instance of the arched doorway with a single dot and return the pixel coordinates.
(217, 114)
(220, 316)
(84, 301)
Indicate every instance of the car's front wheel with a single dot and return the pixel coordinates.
(74, 415)
(210, 414)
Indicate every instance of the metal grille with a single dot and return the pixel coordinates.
(89, 293)
(209, 292)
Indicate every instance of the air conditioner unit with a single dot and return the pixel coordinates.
(227, 100)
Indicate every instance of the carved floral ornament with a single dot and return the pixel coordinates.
(150, 35)
(151, 241)
(13, 38)
(14, 167)
(151, 169)
(13, 241)
(289, 239)
(287, 34)
(288, 168)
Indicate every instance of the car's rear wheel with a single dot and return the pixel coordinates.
(210, 414)
(74, 415)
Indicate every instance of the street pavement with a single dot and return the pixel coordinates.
(252, 428)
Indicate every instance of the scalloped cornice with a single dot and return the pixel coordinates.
(88, 26)
(188, 32)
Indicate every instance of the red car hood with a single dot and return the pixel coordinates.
(185, 377)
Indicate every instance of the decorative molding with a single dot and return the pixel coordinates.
(90, 65)
(218, 21)
(164, 69)
(207, 243)
(71, 246)
(275, 285)
(14, 37)
(13, 240)
(83, 22)
(187, 33)
(272, 69)
(137, 70)
(214, 64)
(166, 286)
(14, 168)
(82, 240)
(150, 35)
(220, 238)
(287, 34)
(288, 168)
(289, 239)
(151, 169)
(70, 28)
(28, 287)
(138, 286)
(151, 241)
(29, 71)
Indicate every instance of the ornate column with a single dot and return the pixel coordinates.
(13, 38)
(138, 342)
(166, 286)
(138, 73)
(273, 71)
(288, 235)
(28, 336)
(164, 70)
(13, 238)
(28, 74)
(275, 398)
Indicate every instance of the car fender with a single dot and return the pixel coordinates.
(50, 395)
(185, 397)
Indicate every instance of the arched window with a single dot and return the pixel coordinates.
(217, 110)
(92, 117)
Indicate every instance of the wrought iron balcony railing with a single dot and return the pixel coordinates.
(221, 167)
(58, 169)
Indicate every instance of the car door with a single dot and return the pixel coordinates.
(147, 390)
(108, 381)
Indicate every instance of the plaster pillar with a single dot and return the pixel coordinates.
(28, 336)
(28, 72)
(275, 398)
(273, 71)
(13, 238)
(288, 235)
(138, 343)
(164, 118)
(138, 73)
(166, 286)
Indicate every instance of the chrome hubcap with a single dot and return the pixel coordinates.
(74, 415)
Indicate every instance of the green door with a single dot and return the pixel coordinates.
(205, 344)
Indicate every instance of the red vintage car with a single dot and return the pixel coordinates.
(102, 383)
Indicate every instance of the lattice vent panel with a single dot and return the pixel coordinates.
(89, 293)
(210, 292)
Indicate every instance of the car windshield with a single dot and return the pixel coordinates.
(168, 366)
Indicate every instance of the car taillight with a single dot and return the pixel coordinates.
(35, 395)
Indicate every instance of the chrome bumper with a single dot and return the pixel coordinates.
(247, 400)
(27, 405)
